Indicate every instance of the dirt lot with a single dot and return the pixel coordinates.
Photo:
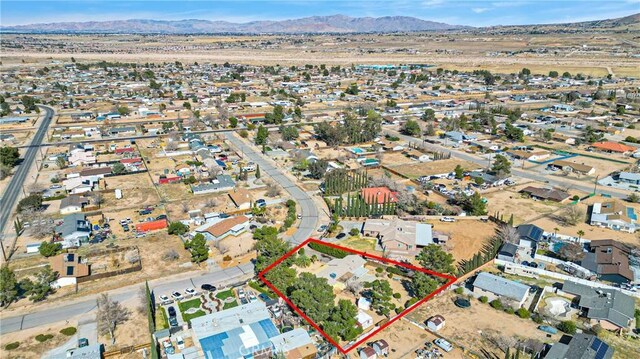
(472, 327)
(507, 201)
(137, 189)
(466, 237)
(417, 169)
(29, 346)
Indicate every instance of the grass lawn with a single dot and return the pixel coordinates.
(193, 303)
(161, 319)
(266, 291)
(230, 305)
(359, 243)
(225, 294)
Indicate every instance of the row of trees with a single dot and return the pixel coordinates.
(360, 207)
(340, 181)
(353, 129)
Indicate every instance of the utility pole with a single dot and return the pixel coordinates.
(595, 185)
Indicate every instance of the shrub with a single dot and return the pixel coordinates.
(523, 313)
(410, 302)
(367, 284)
(509, 310)
(459, 290)
(333, 252)
(568, 327)
(379, 270)
(483, 299)
(354, 232)
(69, 331)
(575, 198)
(399, 310)
(397, 295)
(496, 304)
(12, 346)
(537, 318)
(43, 337)
(226, 258)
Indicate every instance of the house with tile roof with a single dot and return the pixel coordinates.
(610, 260)
(241, 198)
(69, 266)
(378, 195)
(218, 228)
(614, 215)
(613, 147)
(339, 270)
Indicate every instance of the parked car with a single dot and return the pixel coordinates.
(190, 291)
(341, 235)
(299, 216)
(162, 216)
(168, 347)
(447, 219)
(171, 311)
(164, 299)
(261, 203)
(180, 342)
(264, 297)
(176, 295)
(208, 287)
(323, 228)
(83, 342)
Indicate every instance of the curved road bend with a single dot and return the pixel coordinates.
(13, 190)
(309, 220)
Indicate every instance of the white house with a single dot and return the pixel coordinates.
(435, 323)
(365, 321)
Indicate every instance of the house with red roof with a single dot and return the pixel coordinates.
(378, 195)
(608, 146)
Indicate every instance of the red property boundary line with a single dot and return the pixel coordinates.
(450, 280)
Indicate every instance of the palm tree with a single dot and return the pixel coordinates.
(580, 233)
(555, 232)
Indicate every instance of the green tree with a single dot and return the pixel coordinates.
(568, 327)
(31, 202)
(435, 258)
(423, 284)
(553, 74)
(233, 122)
(123, 110)
(428, 115)
(49, 249)
(314, 296)
(381, 295)
(178, 228)
(39, 288)
(459, 172)
(198, 248)
(258, 174)
(269, 248)
(118, 168)
(8, 286)
(474, 205)
(289, 133)
(318, 168)
(9, 156)
(411, 128)
(261, 136)
(501, 166)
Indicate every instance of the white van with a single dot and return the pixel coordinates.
(445, 345)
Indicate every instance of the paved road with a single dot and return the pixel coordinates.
(528, 174)
(308, 208)
(14, 188)
(219, 277)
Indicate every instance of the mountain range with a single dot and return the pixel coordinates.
(314, 24)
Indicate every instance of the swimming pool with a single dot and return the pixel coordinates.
(555, 248)
(357, 150)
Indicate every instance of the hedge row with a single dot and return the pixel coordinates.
(333, 252)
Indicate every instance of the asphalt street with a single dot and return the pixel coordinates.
(308, 209)
(13, 190)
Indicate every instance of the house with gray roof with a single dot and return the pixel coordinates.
(221, 183)
(580, 346)
(628, 177)
(610, 308)
(339, 270)
(73, 230)
(495, 287)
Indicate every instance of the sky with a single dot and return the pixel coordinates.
(456, 12)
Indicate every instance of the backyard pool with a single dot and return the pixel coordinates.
(357, 150)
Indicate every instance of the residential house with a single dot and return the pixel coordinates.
(436, 323)
(508, 252)
(580, 346)
(69, 266)
(92, 351)
(613, 147)
(78, 156)
(458, 137)
(219, 228)
(528, 237)
(339, 270)
(610, 260)
(220, 184)
(72, 204)
(399, 238)
(241, 198)
(614, 215)
(495, 287)
(378, 195)
(610, 308)
(628, 177)
(545, 194)
(77, 185)
(529, 155)
(73, 230)
(364, 320)
(416, 155)
(248, 331)
(98, 172)
(567, 166)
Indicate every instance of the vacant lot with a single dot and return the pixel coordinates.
(137, 189)
(476, 327)
(507, 201)
(418, 169)
(466, 237)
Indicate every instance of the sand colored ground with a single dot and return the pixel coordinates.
(417, 169)
(508, 200)
(466, 237)
(29, 346)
